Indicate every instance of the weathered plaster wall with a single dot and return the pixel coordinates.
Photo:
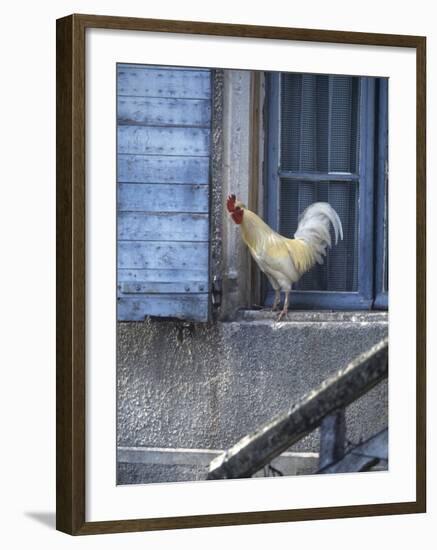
(235, 166)
(200, 386)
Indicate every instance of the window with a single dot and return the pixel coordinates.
(326, 140)
(163, 149)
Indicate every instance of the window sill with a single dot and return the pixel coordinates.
(313, 316)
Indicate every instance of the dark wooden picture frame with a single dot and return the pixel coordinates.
(71, 246)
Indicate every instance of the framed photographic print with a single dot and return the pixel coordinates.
(240, 274)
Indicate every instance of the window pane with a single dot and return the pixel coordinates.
(319, 123)
(340, 269)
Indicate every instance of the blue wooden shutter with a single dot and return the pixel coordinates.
(163, 133)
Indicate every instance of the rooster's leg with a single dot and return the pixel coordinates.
(284, 311)
(276, 300)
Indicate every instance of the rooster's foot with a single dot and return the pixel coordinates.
(276, 301)
(282, 314)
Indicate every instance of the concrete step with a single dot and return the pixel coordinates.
(153, 465)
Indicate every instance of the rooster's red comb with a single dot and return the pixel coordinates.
(231, 203)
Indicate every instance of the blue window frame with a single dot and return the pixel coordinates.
(381, 273)
(326, 139)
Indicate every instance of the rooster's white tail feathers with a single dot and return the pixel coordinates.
(314, 228)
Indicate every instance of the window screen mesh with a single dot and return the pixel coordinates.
(319, 134)
(340, 269)
(319, 123)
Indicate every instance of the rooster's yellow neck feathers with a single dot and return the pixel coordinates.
(258, 235)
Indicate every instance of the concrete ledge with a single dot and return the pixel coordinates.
(304, 316)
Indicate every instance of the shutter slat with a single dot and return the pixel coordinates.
(155, 140)
(156, 197)
(163, 111)
(143, 169)
(190, 307)
(186, 287)
(130, 275)
(162, 226)
(163, 82)
(162, 255)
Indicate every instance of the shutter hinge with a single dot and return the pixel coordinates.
(216, 291)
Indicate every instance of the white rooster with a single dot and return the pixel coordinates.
(285, 260)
